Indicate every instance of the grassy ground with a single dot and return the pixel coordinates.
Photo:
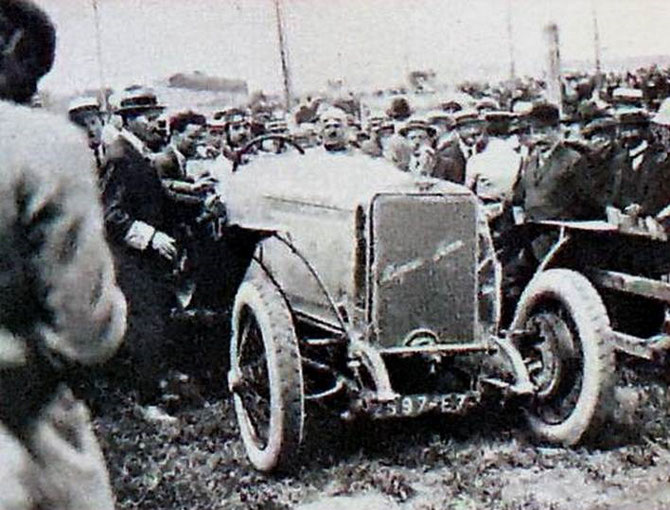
(484, 460)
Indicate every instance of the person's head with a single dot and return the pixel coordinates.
(470, 127)
(186, 131)
(418, 133)
(633, 126)
(27, 47)
(499, 123)
(660, 124)
(399, 109)
(601, 132)
(544, 120)
(442, 121)
(85, 112)
(215, 132)
(237, 126)
(141, 113)
(333, 129)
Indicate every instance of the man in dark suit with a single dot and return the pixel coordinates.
(190, 199)
(185, 192)
(652, 192)
(137, 228)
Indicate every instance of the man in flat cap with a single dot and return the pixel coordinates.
(59, 304)
(237, 130)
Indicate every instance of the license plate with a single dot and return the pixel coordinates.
(406, 406)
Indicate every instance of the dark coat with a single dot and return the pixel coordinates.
(653, 190)
(132, 192)
(550, 188)
(450, 164)
(185, 206)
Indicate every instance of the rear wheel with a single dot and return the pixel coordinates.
(568, 355)
(266, 375)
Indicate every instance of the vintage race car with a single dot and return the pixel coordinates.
(379, 293)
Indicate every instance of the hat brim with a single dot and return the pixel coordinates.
(428, 129)
(137, 110)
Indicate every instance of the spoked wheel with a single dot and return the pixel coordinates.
(568, 356)
(266, 375)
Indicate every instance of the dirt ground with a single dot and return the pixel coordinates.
(483, 461)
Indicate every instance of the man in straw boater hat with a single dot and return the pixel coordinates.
(59, 304)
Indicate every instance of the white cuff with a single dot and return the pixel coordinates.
(13, 350)
(139, 235)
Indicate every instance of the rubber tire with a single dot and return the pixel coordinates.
(591, 322)
(262, 298)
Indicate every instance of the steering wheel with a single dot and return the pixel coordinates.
(260, 139)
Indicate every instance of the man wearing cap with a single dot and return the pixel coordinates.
(546, 185)
(652, 193)
(276, 125)
(138, 230)
(85, 113)
(379, 130)
(633, 141)
(603, 168)
(237, 130)
(492, 172)
(420, 135)
(454, 151)
(60, 307)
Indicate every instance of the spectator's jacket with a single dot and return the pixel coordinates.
(171, 168)
(185, 205)
(653, 189)
(450, 162)
(132, 194)
(57, 284)
(549, 188)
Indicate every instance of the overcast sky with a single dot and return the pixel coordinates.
(365, 42)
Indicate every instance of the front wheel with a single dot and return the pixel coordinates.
(566, 349)
(266, 375)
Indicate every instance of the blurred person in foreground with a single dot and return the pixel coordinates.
(59, 304)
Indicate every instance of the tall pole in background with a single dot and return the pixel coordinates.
(553, 65)
(510, 41)
(596, 41)
(283, 52)
(98, 45)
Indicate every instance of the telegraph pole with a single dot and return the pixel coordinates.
(283, 53)
(553, 65)
(98, 45)
(510, 41)
(596, 40)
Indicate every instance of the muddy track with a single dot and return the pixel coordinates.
(482, 461)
